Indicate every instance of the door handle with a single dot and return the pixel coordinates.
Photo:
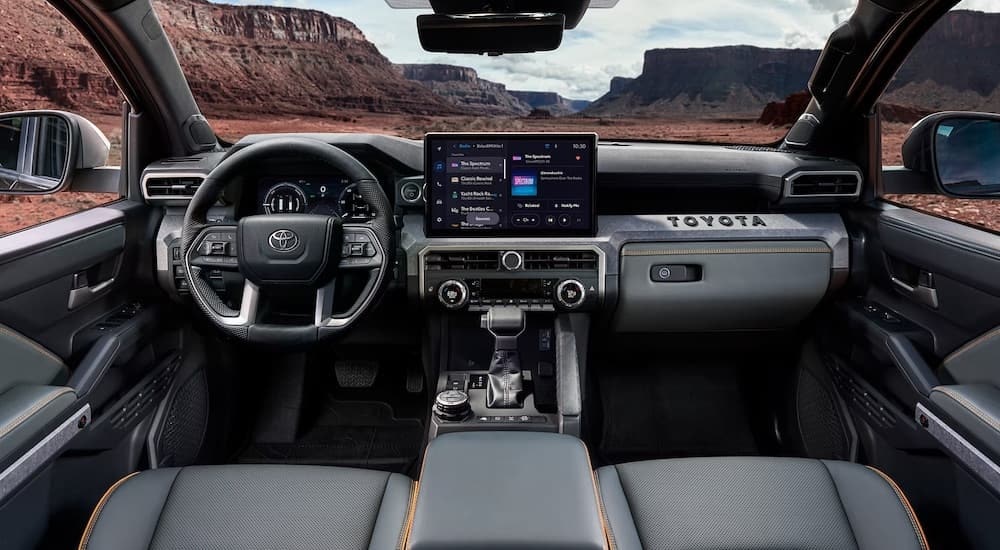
(922, 292)
(82, 292)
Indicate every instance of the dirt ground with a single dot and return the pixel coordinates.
(24, 211)
(733, 130)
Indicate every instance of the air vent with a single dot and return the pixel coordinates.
(169, 187)
(181, 160)
(824, 184)
(757, 149)
(560, 260)
(462, 261)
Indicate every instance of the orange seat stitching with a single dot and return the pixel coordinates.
(97, 511)
(914, 522)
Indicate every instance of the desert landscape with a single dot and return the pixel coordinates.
(260, 69)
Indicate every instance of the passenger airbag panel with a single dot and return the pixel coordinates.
(746, 285)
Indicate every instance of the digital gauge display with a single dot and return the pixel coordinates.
(323, 195)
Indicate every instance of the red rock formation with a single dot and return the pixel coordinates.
(252, 59)
(786, 112)
(44, 63)
(239, 60)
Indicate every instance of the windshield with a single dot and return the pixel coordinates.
(708, 71)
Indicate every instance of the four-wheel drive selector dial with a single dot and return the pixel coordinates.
(453, 294)
(571, 294)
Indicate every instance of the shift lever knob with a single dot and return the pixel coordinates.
(505, 323)
(506, 382)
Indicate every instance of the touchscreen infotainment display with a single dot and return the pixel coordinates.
(510, 184)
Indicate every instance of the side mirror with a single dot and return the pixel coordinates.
(961, 150)
(40, 151)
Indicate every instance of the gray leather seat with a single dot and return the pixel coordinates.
(252, 507)
(753, 503)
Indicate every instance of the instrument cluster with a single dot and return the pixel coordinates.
(324, 195)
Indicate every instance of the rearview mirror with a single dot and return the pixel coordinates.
(41, 150)
(961, 150)
(491, 33)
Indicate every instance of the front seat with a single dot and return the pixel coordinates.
(751, 503)
(252, 507)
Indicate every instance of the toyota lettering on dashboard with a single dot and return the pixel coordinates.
(510, 184)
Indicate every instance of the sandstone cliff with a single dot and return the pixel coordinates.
(251, 59)
(462, 87)
(44, 63)
(553, 103)
(239, 61)
(723, 80)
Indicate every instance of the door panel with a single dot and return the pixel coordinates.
(39, 272)
(926, 302)
(941, 247)
(71, 335)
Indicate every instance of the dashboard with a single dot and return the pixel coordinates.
(662, 237)
(324, 195)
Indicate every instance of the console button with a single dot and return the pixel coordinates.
(478, 382)
(512, 261)
(525, 220)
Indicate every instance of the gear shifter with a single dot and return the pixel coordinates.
(506, 383)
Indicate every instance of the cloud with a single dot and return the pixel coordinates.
(799, 39)
(832, 5)
(611, 42)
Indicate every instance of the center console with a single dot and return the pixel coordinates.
(506, 490)
(495, 204)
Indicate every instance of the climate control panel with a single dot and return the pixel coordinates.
(536, 280)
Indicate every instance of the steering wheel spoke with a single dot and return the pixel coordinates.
(249, 306)
(324, 303)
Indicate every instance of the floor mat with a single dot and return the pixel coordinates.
(362, 434)
(663, 411)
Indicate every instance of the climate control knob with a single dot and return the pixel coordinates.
(570, 294)
(453, 294)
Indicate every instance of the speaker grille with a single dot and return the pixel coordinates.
(820, 423)
(185, 423)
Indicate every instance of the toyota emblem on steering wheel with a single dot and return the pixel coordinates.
(283, 240)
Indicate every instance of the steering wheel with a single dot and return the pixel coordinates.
(303, 250)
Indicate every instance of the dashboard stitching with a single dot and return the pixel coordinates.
(817, 250)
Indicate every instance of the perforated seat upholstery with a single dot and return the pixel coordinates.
(252, 507)
(754, 503)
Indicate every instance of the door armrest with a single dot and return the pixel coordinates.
(25, 413)
(973, 409)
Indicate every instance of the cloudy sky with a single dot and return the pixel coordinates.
(611, 42)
